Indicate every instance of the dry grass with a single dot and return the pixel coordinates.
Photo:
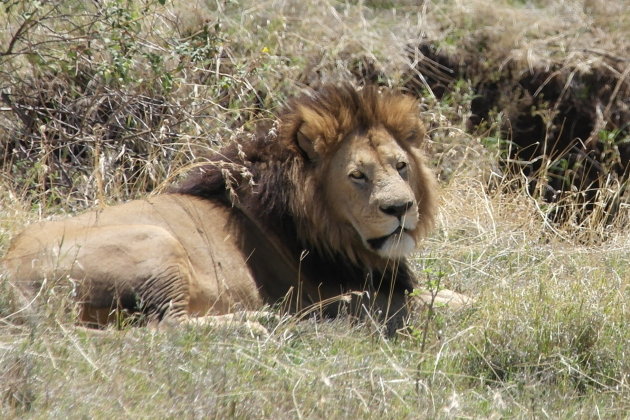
(161, 84)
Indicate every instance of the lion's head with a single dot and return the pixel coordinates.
(360, 184)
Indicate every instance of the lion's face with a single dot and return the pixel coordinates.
(368, 180)
(360, 187)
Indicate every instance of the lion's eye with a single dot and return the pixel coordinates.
(357, 174)
(401, 165)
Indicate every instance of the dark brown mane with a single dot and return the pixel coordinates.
(271, 176)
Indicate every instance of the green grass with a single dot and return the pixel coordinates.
(547, 335)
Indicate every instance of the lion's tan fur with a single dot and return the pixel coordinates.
(268, 216)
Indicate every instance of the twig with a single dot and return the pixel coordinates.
(430, 312)
(605, 54)
(25, 26)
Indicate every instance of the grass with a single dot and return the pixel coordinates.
(162, 83)
(547, 335)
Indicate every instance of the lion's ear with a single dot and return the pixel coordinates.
(306, 145)
(415, 137)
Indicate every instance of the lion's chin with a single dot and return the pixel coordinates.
(397, 246)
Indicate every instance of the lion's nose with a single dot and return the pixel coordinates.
(397, 210)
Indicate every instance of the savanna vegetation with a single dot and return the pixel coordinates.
(528, 108)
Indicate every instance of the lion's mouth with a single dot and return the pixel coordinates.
(377, 243)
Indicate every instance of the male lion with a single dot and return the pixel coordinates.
(319, 211)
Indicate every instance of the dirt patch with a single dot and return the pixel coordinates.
(567, 126)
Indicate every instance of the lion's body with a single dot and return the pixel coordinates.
(331, 203)
(178, 254)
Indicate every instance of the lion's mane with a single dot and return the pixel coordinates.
(269, 177)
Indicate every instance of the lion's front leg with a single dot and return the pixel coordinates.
(248, 320)
(443, 297)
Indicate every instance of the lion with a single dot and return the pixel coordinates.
(316, 213)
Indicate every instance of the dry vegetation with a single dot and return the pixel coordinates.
(104, 101)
